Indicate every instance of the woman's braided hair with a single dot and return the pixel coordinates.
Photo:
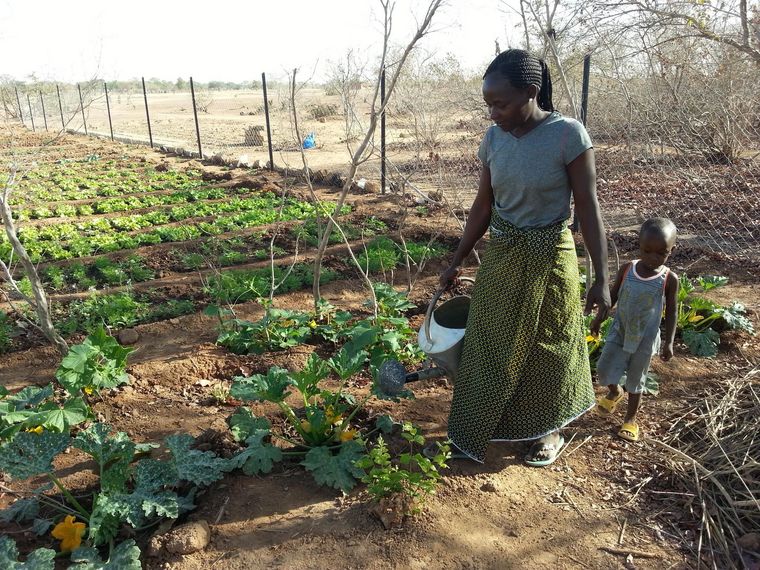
(523, 69)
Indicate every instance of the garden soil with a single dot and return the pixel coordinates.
(599, 506)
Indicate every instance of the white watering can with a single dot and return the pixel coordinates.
(441, 337)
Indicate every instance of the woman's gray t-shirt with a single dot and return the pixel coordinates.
(528, 176)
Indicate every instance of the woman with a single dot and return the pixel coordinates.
(524, 371)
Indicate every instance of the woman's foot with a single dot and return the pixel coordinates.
(545, 450)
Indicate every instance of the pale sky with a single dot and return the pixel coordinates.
(225, 40)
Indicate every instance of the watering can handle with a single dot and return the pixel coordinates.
(433, 303)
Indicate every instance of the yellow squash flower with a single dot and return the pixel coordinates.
(70, 533)
(88, 390)
(695, 318)
(38, 430)
(348, 435)
(331, 417)
(590, 338)
(312, 324)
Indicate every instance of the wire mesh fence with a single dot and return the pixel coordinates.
(674, 140)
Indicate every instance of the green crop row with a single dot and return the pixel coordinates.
(110, 205)
(69, 241)
(68, 182)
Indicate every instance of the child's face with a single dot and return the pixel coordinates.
(654, 251)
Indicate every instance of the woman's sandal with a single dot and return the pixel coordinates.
(606, 406)
(553, 449)
(629, 431)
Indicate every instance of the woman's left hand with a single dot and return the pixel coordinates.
(599, 297)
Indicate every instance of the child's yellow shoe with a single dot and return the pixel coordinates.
(606, 406)
(629, 431)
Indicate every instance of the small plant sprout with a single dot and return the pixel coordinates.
(402, 483)
(220, 391)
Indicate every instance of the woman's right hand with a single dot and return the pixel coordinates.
(449, 276)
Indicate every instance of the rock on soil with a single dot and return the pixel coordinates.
(188, 538)
(391, 510)
(128, 337)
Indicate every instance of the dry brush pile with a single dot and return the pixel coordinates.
(712, 456)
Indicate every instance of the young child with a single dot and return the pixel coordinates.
(640, 289)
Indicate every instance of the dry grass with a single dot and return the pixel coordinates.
(712, 453)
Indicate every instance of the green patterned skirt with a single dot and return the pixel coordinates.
(524, 370)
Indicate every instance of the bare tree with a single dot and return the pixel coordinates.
(732, 22)
(361, 153)
(39, 300)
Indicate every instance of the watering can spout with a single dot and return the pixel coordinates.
(393, 376)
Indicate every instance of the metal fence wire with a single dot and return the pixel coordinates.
(672, 138)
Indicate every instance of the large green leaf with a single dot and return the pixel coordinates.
(702, 343)
(30, 396)
(126, 556)
(335, 470)
(60, 418)
(708, 282)
(40, 559)
(153, 475)
(361, 335)
(113, 453)
(99, 362)
(21, 510)
(109, 347)
(258, 457)
(104, 525)
(74, 372)
(346, 363)
(702, 305)
(385, 423)
(199, 467)
(243, 423)
(270, 388)
(307, 379)
(736, 319)
(31, 454)
(138, 507)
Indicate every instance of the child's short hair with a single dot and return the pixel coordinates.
(661, 227)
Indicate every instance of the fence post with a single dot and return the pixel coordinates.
(108, 108)
(81, 107)
(266, 113)
(382, 132)
(18, 100)
(60, 107)
(147, 113)
(195, 114)
(584, 92)
(31, 115)
(44, 116)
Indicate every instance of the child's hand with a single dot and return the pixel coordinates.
(667, 352)
(595, 325)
